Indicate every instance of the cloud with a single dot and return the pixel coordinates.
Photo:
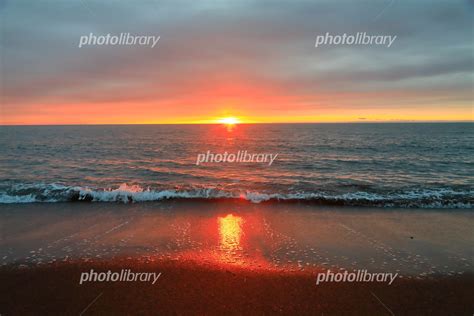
(259, 51)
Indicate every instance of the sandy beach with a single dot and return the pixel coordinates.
(187, 288)
(234, 257)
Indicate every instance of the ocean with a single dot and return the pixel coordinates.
(403, 165)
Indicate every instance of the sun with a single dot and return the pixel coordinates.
(229, 120)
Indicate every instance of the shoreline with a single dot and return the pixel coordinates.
(131, 194)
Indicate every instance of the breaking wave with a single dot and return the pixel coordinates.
(420, 198)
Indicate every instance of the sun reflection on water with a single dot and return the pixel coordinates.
(230, 235)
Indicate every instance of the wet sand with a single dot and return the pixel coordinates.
(233, 257)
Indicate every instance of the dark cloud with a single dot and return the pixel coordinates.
(206, 44)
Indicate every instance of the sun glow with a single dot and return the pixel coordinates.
(229, 120)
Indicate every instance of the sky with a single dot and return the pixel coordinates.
(254, 60)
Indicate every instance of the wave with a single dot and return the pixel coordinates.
(413, 198)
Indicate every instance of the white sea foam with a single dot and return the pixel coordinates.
(432, 198)
(9, 199)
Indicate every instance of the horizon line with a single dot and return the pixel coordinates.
(248, 123)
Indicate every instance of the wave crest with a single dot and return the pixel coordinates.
(421, 198)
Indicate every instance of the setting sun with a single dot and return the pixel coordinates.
(229, 120)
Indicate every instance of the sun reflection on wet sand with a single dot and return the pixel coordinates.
(230, 235)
